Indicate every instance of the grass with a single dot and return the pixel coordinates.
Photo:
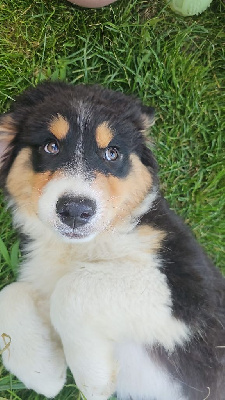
(140, 47)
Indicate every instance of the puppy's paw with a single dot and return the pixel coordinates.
(92, 391)
(89, 354)
(29, 350)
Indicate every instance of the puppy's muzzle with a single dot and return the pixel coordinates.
(75, 211)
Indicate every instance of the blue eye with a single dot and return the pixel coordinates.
(52, 148)
(111, 154)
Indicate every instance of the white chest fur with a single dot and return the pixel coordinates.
(116, 280)
(102, 295)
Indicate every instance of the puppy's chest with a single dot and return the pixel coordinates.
(107, 264)
(116, 284)
(124, 262)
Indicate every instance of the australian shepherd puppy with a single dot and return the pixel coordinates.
(112, 283)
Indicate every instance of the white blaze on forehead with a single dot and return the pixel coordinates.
(83, 119)
(84, 114)
(79, 153)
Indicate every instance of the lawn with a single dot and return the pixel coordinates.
(141, 47)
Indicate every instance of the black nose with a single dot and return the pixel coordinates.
(75, 211)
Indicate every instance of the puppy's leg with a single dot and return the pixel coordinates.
(88, 353)
(29, 350)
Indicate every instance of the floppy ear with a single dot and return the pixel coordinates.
(148, 115)
(7, 133)
(148, 119)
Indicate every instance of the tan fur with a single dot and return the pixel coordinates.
(19, 180)
(104, 135)
(39, 180)
(153, 236)
(6, 137)
(147, 121)
(124, 195)
(24, 184)
(7, 126)
(59, 127)
(7, 133)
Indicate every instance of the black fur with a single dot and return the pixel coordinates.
(197, 287)
(34, 109)
(198, 293)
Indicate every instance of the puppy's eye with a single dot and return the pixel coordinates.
(111, 154)
(52, 148)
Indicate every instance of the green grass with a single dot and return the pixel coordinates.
(140, 47)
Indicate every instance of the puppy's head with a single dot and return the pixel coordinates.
(74, 159)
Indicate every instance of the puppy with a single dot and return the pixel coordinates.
(112, 284)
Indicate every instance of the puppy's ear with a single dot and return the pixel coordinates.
(148, 115)
(7, 133)
(148, 119)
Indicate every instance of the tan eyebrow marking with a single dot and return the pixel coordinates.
(59, 127)
(104, 135)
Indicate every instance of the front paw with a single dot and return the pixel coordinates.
(28, 349)
(98, 397)
(94, 392)
(89, 354)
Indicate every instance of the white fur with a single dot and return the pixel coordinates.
(146, 204)
(76, 186)
(120, 297)
(98, 296)
(34, 353)
(140, 377)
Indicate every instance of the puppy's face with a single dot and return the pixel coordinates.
(74, 158)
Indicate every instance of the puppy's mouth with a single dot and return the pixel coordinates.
(73, 234)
